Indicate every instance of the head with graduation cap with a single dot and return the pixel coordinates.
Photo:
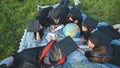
(89, 24)
(75, 15)
(59, 51)
(100, 47)
(58, 15)
(98, 38)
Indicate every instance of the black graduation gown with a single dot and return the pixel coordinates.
(28, 58)
(115, 57)
(42, 16)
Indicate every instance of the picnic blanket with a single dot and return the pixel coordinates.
(74, 60)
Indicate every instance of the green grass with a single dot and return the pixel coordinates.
(102, 10)
(14, 15)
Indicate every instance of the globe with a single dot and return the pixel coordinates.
(71, 30)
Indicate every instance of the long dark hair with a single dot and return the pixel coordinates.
(87, 33)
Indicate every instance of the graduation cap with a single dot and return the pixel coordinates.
(33, 26)
(75, 13)
(55, 13)
(100, 37)
(67, 45)
(90, 22)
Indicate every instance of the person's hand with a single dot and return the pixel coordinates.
(53, 27)
(82, 40)
(38, 37)
(75, 21)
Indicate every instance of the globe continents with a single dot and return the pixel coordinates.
(71, 30)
